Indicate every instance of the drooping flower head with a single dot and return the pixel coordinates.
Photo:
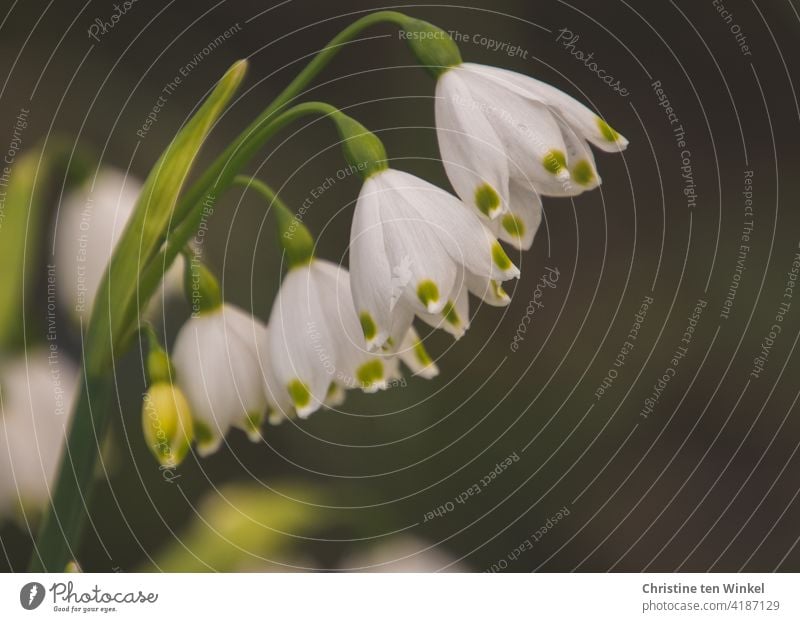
(417, 250)
(506, 138)
(315, 342)
(414, 249)
(314, 346)
(217, 367)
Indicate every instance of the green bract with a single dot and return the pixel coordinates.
(433, 47)
(293, 236)
(201, 286)
(362, 149)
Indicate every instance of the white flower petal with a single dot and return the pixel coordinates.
(414, 243)
(355, 366)
(414, 355)
(488, 290)
(335, 397)
(371, 275)
(455, 316)
(278, 401)
(406, 345)
(472, 153)
(529, 132)
(520, 225)
(464, 237)
(581, 164)
(401, 324)
(585, 122)
(299, 342)
(216, 362)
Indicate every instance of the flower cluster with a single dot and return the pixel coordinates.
(416, 251)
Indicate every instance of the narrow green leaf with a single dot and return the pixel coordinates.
(115, 306)
(113, 312)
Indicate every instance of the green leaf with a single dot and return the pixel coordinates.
(112, 316)
(115, 308)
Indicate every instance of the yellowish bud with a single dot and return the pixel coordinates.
(72, 567)
(167, 423)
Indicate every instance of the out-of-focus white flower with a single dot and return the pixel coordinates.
(37, 393)
(416, 249)
(315, 343)
(506, 138)
(217, 367)
(91, 219)
(403, 554)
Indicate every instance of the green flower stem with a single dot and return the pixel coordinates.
(267, 193)
(221, 173)
(219, 176)
(181, 236)
(293, 236)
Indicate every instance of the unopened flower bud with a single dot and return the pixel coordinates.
(167, 423)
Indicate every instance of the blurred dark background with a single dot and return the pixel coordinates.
(707, 481)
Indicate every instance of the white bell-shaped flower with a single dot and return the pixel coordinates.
(315, 344)
(217, 366)
(37, 391)
(506, 138)
(91, 219)
(416, 249)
